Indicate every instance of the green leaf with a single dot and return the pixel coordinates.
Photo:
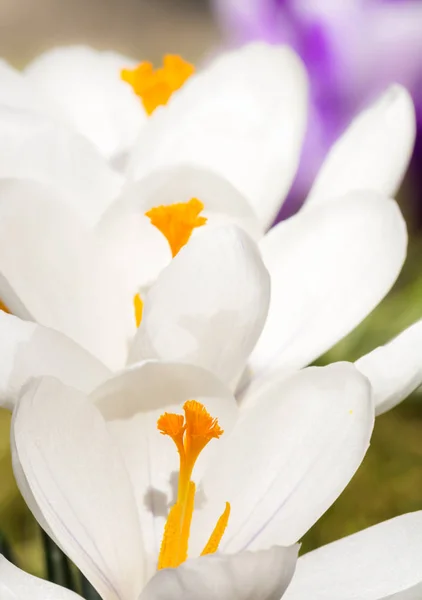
(87, 590)
(58, 566)
(5, 548)
(62, 571)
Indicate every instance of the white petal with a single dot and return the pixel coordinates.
(131, 403)
(329, 266)
(378, 563)
(16, 92)
(81, 487)
(36, 147)
(413, 593)
(246, 576)
(137, 247)
(394, 370)
(26, 491)
(15, 584)
(243, 117)
(208, 306)
(373, 153)
(156, 385)
(288, 458)
(52, 272)
(29, 350)
(86, 89)
(250, 389)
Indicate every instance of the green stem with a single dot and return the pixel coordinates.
(57, 564)
(88, 591)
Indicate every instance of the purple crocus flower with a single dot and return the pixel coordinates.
(353, 49)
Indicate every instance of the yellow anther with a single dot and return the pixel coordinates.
(156, 86)
(191, 434)
(177, 221)
(138, 306)
(169, 551)
(3, 307)
(217, 534)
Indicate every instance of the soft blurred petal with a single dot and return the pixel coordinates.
(243, 117)
(353, 50)
(379, 563)
(261, 575)
(373, 153)
(36, 147)
(394, 370)
(380, 41)
(84, 87)
(16, 92)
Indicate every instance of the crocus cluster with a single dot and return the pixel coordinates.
(168, 432)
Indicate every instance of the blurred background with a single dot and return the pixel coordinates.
(139, 28)
(351, 53)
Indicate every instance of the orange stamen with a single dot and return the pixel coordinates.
(138, 306)
(218, 532)
(177, 221)
(191, 434)
(155, 87)
(4, 308)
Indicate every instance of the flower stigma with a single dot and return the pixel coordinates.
(156, 86)
(191, 433)
(177, 221)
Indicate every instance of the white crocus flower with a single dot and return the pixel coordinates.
(73, 289)
(231, 136)
(350, 249)
(379, 563)
(260, 143)
(280, 466)
(310, 434)
(81, 280)
(370, 157)
(242, 117)
(81, 89)
(208, 307)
